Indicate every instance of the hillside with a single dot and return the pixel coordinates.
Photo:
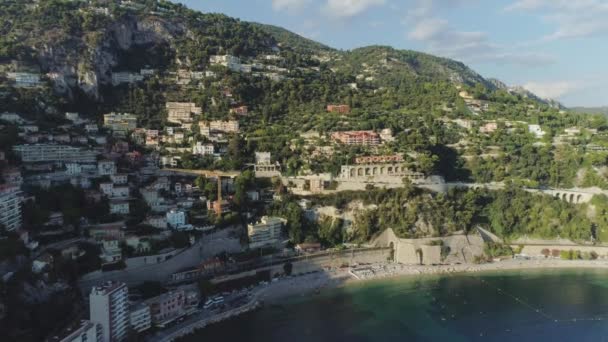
(80, 45)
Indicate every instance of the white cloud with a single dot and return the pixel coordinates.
(572, 18)
(553, 90)
(289, 5)
(350, 8)
(471, 46)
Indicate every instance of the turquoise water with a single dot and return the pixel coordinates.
(557, 305)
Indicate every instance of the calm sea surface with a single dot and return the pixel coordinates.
(556, 305)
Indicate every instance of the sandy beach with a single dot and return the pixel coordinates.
(309, 284)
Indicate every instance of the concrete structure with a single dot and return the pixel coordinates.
(176, 218)
(110, 251)
(378, 170)
(241, 110)
(230, 126)
(87, 332)
(231, 62)
(126, 77)
(356, 137)
(397, 158)
(54, 153)
(266, 232)
(120, 123)
(167, 306)
(178, 112)
(119, 207)
(140, 317)
(106, 167)
(427, 251)
(536, 130)
(203, 149)
(24, 79)
(341, 108)
(489, 127)
(264, 168)
(10, 207)
(109, 307)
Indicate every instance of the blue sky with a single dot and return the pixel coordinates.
(556, 48)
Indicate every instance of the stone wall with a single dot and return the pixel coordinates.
(426, 251)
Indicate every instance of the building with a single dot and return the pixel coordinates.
(109, 307)
(356, 137)
(231, 62)
(110, 252)
(106, 167)
(119, 178)
(159, 222)
(266, 232)
(120, 123)
(536, 130)
(140, 318)
(105, 231)
(264, 168)
(241, 110)
(379, 159)
(371, 171)
(24, 79)
(341, 108)
(489, 127)
(54, 153)
(230, 126)
(311, 247)
(178, 112)
(10, 207)
(12, 176)
(86, 332)
(167, 307)
(386, 134)
(119, 207)
(203, 149)
(176, 218)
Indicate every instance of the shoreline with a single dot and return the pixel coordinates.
(305, 285)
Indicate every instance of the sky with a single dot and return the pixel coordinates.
(555, 48)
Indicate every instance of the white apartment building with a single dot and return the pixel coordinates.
(77, 168)
(176, 218)
(536, 130)
(119, 178)
(87, 332)
(10, 207)
(54, 153)
(178, 112)
(159, 222)
(140, 317)
(119, 207)
(106, 167)
(231, 62)
(109, 307)
(24, 79)
(203, 149)
(266, 232)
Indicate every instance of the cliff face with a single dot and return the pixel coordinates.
(86, 61)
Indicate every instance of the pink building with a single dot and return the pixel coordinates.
(357, 137)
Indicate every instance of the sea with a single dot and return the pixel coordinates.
(527, 305)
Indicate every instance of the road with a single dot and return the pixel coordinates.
(205, 248)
